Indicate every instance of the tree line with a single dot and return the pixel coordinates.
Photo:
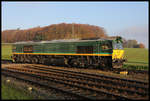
(61, 31)
(132, 44)
(54, 31)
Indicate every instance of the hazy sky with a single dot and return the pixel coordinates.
(128, 19)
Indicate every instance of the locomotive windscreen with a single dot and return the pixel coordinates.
(117, 45)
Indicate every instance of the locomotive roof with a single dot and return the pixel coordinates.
(58, 41)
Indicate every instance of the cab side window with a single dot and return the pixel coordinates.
(106, 47)
(28, 49)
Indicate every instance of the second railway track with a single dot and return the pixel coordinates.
(89, 76)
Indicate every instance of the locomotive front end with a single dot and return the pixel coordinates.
(118, 53)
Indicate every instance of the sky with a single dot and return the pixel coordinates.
(127, 19)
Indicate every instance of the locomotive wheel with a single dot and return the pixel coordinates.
(82, 63)
(73, 62)
(117, 65)
(34, 60)
(105, 63)
(18, 59)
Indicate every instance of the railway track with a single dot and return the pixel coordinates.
(130, 72)
(4, 61)
(115, 87)
(79, 91)
(37, 81)
(84, 75)
(138, 71)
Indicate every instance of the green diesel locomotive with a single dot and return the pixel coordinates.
(98, 53)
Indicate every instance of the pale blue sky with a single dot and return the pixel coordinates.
(115, 17)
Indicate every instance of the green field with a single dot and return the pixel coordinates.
(10, 92)
(135, 56)
(6, 51)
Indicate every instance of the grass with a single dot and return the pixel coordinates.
(135, 67)
(6, 51)
(136, 56)
(10, 92)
